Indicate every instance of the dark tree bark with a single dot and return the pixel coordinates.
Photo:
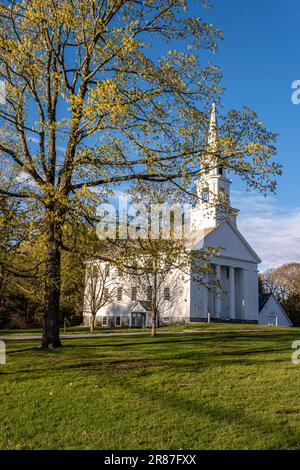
(51, 338)
(154, 304)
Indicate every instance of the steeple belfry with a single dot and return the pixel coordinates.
(213, 188)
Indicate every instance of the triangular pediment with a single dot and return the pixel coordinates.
(141, 306)
(230, 239)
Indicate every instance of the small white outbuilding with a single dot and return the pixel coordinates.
(271, 312)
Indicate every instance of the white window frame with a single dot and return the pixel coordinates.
(102, 322)
(117, 326)
(167, 297)
(133, 289)
(119, 291)
(105, 293)
(149, 293)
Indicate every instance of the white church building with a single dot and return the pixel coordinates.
(236, 267)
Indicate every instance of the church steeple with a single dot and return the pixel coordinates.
(213, 188)
(213, 129)
(211, 160)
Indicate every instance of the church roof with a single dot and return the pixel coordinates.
(206, 231)
(244, 241)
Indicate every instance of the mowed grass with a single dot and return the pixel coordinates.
(220, 388)
(69, 330)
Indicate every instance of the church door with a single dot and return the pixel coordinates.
(137, 320)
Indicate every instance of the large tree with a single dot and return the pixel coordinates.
(100, 92)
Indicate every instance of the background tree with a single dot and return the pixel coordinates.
(15, 227)
(22, 302)
(101, 288)
(90, 104)
(22, 273)
(284, 283)
(160, 268)
(160, 264)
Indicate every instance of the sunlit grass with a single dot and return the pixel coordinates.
(225, 388)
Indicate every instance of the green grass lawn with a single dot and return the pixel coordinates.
(101, 329)
(69, 330)
(226, 388)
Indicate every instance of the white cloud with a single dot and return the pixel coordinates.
(272, 230)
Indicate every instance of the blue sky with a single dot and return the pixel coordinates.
(259, 58)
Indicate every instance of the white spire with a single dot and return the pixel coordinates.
(213, 187)
(213, 128)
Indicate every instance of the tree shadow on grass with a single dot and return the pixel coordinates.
(219, 415)
(136, 367)
(11, 352)
(213, 351)
(124, 342)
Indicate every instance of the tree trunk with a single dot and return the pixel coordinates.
(51, 338)
(92, 324)
(154, 301)
(153, 326)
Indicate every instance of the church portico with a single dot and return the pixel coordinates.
(224, 305)
(231, 301)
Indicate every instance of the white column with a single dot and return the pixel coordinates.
(218, 294)
(244, 293)
(231, 293)
(205, 297)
